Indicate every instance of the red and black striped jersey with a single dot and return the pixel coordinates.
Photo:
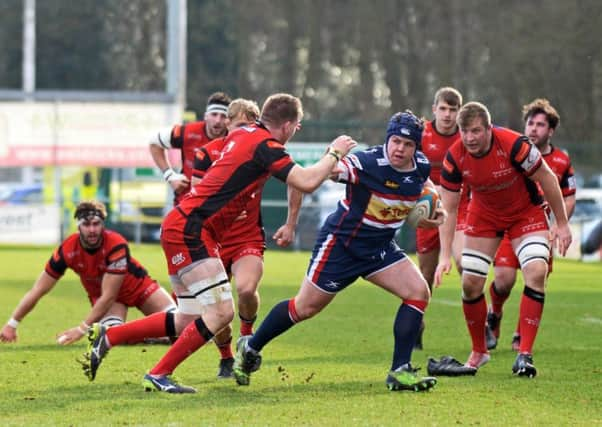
(252, 224)
(250, 154)
(113, 256)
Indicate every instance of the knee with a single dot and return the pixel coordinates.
(472, 286)
(417, 290)
(534, 275)
(504, 281)
(307, 311)
(225, 314)
(246, 290)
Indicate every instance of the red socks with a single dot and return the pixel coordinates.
(193, 337)
(152, 326)
(531, 310)
(475, 313)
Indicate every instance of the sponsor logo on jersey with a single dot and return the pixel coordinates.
(391, 184)
(193, 135)
(408, 180)
(178, 259)
(502, 172)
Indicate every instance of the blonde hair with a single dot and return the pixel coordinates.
(245, 109)
(471, 111)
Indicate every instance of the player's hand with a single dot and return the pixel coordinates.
(440, 217)
(343, 144)
(177, 181)
(561, 237)
(70, 336)
(285, 235)
(8, 334)
(444, 267)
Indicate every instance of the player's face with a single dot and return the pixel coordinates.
(400, 151)
(476, 137)
(238, 121)
(216, 124)
(289, 129)
(90, 232)
(538, 130)
(445, 117)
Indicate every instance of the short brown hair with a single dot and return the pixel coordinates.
(90, 207)
(541, 106)
(473, 110)
(219, 98)
(280, 108)
(243, 108)
(449, 95)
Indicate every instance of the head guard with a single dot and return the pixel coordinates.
(406, 125)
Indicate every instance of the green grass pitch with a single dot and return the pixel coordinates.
(327, 371)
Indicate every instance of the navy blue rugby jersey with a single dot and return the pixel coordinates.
(377, 199)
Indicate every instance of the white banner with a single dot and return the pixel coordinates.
(81, 133)
(32, 224)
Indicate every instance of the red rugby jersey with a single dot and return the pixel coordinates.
(434, 147)
(241, 230)
(560, 163)
(90, 265)
(498, 180)
(250, 154)
(188, 138)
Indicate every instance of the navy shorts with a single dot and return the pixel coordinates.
(334, 265)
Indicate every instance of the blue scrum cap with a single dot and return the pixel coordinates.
(406, 125)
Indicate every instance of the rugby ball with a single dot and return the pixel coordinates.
(425, 207)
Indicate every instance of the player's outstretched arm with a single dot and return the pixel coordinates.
(41, 287)
(111, 284)
(309, 179)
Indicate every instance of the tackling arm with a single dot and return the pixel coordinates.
(309, 179)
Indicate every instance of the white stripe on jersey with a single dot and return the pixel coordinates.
(378, 224)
